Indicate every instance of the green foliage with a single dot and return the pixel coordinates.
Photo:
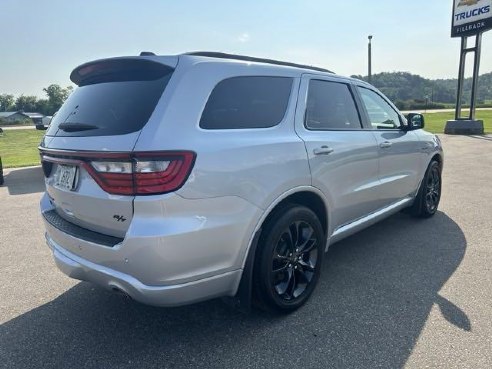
(19, 148)
(417, 105)
(405, 87)
(26, 103)
(56, 96)
(6, 102)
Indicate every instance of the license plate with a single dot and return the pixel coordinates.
(65, 177)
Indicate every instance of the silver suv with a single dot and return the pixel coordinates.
(175, 179)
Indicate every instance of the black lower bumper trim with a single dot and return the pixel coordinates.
(63, 225)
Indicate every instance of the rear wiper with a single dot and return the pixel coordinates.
(75, 127)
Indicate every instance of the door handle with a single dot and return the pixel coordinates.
(385, 145)
(323, 150)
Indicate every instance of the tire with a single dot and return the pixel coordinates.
(297, 268)
(1, 172)
(427, 199)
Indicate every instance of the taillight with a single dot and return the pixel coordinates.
(161, 173)
(47, 167)
(115, 177)
(139, 173)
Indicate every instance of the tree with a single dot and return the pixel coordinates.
(56, 97)
(26, 103)
(406, 87)
(43, 107)
(6, 102)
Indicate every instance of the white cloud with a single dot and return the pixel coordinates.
(243, 37)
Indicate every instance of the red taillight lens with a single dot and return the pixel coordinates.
(115, 177)
(114, 183)
(139, 173)
(167, 173)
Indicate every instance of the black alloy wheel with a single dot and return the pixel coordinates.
(433, 189)
(294, 260)
(429, 195)
(288, 260)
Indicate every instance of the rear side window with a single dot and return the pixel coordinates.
(330, 106)
(247, 102)
(116, 102)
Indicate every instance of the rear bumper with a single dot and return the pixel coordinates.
(172, 295)
(171, 254)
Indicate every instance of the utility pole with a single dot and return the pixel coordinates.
(369, 54)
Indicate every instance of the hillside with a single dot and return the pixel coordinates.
(403, 86)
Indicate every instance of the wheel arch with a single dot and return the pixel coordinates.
(308, 196)
(438, 157)
(309, 199)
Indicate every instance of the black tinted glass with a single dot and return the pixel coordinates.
(247, 102)
(330, 105)
(108, 108)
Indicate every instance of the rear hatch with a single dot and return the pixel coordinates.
(87, 153)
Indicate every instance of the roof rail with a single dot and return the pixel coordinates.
(213, 54)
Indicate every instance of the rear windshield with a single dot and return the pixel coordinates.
(117, 104)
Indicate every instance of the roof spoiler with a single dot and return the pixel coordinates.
(119, 69)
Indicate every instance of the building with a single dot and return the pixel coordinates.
(37, 118)
(13, 117)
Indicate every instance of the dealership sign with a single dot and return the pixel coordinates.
(471, 17)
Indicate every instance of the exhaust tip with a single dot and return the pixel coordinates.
(120, 292)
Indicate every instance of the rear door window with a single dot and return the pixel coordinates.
(331, 106)
(247, 102)
(116, 103)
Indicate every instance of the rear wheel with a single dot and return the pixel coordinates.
(429, 194)
(288, 261)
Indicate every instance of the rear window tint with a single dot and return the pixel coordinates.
(247, 102)
(118, 105)
(330, 106)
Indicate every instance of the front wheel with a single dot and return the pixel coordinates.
(429, 195)
(288, 261)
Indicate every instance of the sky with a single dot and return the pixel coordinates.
(42, 41)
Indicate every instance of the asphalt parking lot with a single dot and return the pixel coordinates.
(404, 293)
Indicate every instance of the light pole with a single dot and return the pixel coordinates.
(369, 54)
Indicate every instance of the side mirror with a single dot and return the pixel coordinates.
(415, 121)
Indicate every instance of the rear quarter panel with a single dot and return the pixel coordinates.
(255, 165)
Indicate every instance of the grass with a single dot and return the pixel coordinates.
(435, 122)
(19, 148)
